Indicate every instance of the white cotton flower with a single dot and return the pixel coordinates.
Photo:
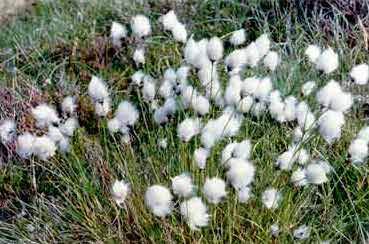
(358, 151)
(302, 232)
(170, 105)
(272, 60)
(114, 125)
(238, 37)
(232, 94)
(297, 135)
(313, 53)
(305, 118)
(45, 115)
(286, 160)
(182, 185)
(271, 198)
(64, 144)
(200, 156)
(236, 60)
(214, 190)
(264, 88)
(69, 126)
(179, 32)
(307, 88)
(140, 26)
(290, 108)
(120, 191)
(163, 143)
(241, 173)
(148, 90)
(43, 147)
(303, 156)
(169, 20)
(330, 124)
(137, 77)
(228, 152)
(7, 131)
(364, 134)
(360, 74)
(327, 61)
(327, 93)
(200, 105)
(196, 54)
(242, 149)
(342, 102)
(55, 134)
(244, 194)
(245, 104)
(102, 108)
(69, 105)
(161, 115)
(170, 75)
(253, 55)
(166, 89)
(263, 45)
(159, 199)
(215, 49)
(210, 134)
(274, 229)
(298, 177)
(127, 113)
(117, 32)
(25, 145)
(97, 89)
(188, 128)
(195, 213)
(182, 74)
(316, 174)
(139, 56)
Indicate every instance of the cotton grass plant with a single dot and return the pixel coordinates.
(214, 178)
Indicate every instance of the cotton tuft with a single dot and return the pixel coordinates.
(25, 145)
(272, 60)
(313, 53)
(327, 61)
(360, 74)
(159, 200)
(7, 131)
(97, 89)
(43, 147)
(182, 185)
(244, 194)
(214, 190)
(215, 49)
(307, 88)
(238, 37)
(195, 213)
(140, 26)
(200, 156)
(241, 173)
(271, 198)
(302, 232)
(69, 105)
(120, 191)
(45, 115)
(117, 32)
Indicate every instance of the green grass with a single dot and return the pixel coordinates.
(73, 202)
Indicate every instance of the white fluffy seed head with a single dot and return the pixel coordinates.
(139, 56)
(182, 185)
(159, 200)
(45, 115)
(97, 89)
(263, 45)
(113, 125)
(271, 198)
(313, 53)
(298, 177)
(214, 190)
(200, 105)
(137, 77)
(360, 74)
(169, 20)
(140, 26)
(25, 145)
(316, 174)
(364, 134)
(43, 147)
(69, 105)
(238, 37)
(163, 143)
(215, 49)
(358, 151)
(149, 90)
(244, 194)
(69, 126)
(272, 60)
(102, 108)
(117, 32)
(327, 61)
(179, 32)
(241, 173)
(188, 128)
(195, 213)
(302, 232)
(200, 156)
(127, 113)
(120, 191)
(330, 124)
(308, 87)
(7, 131)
